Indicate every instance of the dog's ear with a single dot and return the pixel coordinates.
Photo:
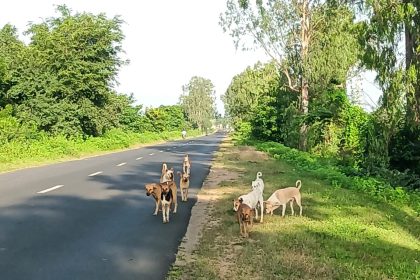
(241, 200)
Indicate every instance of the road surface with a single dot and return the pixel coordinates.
(91, 218)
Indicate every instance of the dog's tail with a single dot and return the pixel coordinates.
(298, 184)
(164, 167)
(259, 174)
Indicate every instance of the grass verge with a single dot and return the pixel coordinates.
(15, 155)
(343, 233)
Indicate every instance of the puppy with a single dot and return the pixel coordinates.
(245, 216)
(174, 189)
(282, 196)
(184, 184)
(167, 174)
(166, 199)
(186, 165)
(154, 190)
(253, 199)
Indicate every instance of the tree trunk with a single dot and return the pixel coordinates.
(304, 91)
(412, 58)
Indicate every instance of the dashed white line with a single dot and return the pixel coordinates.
(121, 164)
(151, 154)
(96, 173)
(51, 189)
(160, 151)
(139, 158)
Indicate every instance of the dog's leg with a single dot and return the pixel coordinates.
(167, 213)
(299, 202)
(256, 212)
(186, 194)
(283, 210)
(157, 208)
(291, 206)
(262, 208)
(163, 214)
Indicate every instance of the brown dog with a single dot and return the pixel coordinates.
(154, 190)
(186, 165)
(184, 184)
(245, 215)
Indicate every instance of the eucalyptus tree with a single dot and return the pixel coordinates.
(198, 101)
(302, 37)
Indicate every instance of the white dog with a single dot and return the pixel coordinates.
(282, 196)
(253, 198)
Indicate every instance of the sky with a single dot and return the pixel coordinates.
(167, 42)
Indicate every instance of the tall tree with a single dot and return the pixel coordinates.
(198, 102)
(288, 31)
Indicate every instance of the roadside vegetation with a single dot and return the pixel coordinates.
(344, 233)
(58, 97)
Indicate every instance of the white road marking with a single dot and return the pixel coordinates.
(121, 164)
(96, 173)
(51, 189)
(139, 158)
(151, 154)
(160, 151)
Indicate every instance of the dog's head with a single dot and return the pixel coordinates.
(186, 157)
(184, 176)
(168, 175)
(165, 188)
(246, 213)
(270, 207)
(150, 189)
(236, 203)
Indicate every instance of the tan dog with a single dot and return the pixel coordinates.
(186, 165)
(282, 196)
(166, 199)
(154, 190)
(184, 184)
(245, 215)
(167, 174)
(174, 190)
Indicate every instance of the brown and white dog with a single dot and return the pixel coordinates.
(245, 215)
(186, 165)
(166, 199)
(280, 198)
(184, 184)
(167, 174)
(155, 190)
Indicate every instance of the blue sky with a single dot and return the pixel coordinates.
(167, 43)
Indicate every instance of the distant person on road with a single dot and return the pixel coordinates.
(184, 134)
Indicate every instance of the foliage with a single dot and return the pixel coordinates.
(198, 102)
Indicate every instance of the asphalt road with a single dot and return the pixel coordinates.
(91, 218)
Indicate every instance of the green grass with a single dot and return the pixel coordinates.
(15, 155)
(343, 233)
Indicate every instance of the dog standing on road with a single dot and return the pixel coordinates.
(166, 199)
(184, 184)
(154, 190)
(280, 198)
(167, 174)
(186, 165)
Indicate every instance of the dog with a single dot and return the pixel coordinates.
(174, 190)
(245, 216)
(184, 184)
(167, 174)
(186, 165)
(282, 196)
(166, 199)
(154, 190)
(254, 198)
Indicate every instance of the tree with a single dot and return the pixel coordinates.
(70, 64)
(198, 102)
(294, 34)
